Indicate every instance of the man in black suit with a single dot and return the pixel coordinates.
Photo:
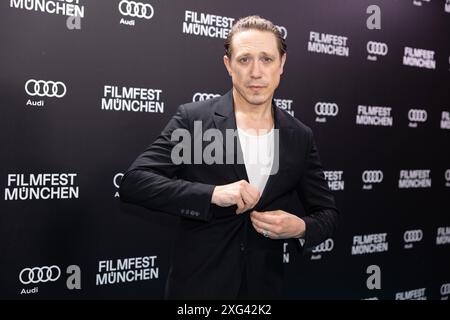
(235, 212)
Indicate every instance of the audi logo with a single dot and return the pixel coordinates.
(283, 31)
(118, 176)
(447, 174)
(417, 115)
(326, 109)
(445, 289)
(378, 48)
(325, 246)
(204, 96)
(136, 9)
(413, 235)
(39, 274)
(372, 176)
(43, 88)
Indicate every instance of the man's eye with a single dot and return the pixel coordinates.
(243, 60)
(267, 59)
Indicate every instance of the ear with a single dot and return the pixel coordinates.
(226, 62)
(283, 61)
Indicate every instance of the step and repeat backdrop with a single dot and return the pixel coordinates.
(87, 85)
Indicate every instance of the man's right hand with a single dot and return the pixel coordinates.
(240, 193)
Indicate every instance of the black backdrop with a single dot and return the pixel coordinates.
(85, 231)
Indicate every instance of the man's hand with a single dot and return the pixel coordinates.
(240, 193)
(278, 224)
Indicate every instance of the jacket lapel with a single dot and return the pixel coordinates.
(224, 119)
(284, 133)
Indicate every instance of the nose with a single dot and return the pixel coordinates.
(255, 71)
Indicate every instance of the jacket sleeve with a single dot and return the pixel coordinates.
(151, 180)
(321, 214)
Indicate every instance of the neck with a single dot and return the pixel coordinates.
(256, 112)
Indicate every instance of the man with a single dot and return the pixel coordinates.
(235, 214)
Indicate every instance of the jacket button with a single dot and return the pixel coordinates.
(242, 246)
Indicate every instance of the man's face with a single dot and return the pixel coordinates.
(255, 66)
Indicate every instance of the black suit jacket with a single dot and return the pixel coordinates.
(214, 246)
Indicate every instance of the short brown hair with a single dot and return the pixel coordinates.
(254, 23)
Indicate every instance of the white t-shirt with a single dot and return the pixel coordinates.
(258, 154)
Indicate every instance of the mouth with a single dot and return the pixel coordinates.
(256, 87)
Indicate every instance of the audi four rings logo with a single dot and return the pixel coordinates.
(445, 289)
(378, 48)
(447, 174)
(417, 115)
(136, 9)
(283, 31)
(43, 88)
(325, 246)
(372, 176)
(116, 180)
(326, 109)
(413, 235)
(204, 96)
(39, 274)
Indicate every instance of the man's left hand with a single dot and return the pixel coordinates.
(278, 224)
